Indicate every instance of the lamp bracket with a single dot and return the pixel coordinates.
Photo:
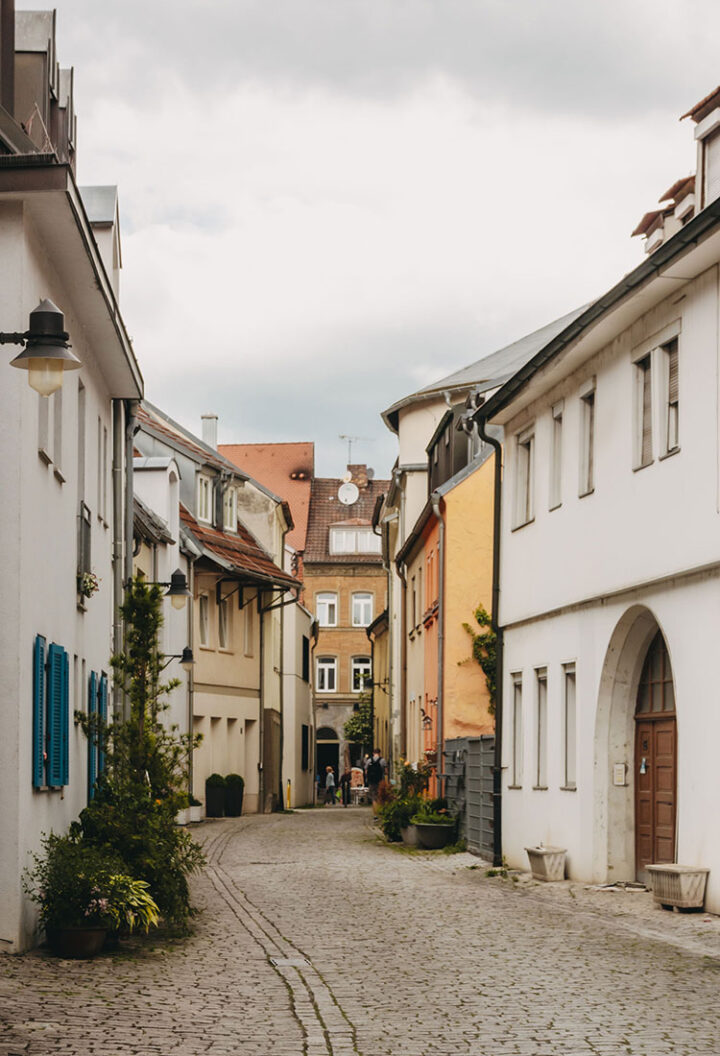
(13, 339)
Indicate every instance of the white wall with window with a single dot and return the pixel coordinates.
(524, 477)
(224, 623)
(204, 620)
(326, 670)
(362, 609)
(326, 608)
(204, 499)
(541, 727)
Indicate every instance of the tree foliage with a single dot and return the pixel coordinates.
(359, 727)
(484, 651)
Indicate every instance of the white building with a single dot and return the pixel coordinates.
(610, 569)
(62, 472)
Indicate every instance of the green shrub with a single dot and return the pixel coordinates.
(234, 781)
(395, 816)
(427, 815)
(413, 782)
(215, 781)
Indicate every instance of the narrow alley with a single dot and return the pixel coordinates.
(315, 938)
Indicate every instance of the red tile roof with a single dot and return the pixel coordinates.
(326, 509)
(649, 222)
(681, 188)
(163, 427)
(704, 107)
(242, 552)
(287, 470)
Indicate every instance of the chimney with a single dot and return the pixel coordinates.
(7, 55)
(209, 429)
(359, 475)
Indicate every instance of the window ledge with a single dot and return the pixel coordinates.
(207, 648)
(44, 456)
(584, 494)
(540, 788)
(81, 606)
(514, 788)
(568, 788)
(228, 652)
(517, 528)
(555, 507)
(643, 465)
(59, 475)
(669, 454)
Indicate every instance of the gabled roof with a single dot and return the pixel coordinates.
(241, 555)
(326, 510)
(704, 107)
(685, 185)
(147, 525)
(286, 468)
(487, 373)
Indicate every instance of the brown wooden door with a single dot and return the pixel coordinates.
(655, 766)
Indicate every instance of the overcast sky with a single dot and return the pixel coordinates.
(327, 204)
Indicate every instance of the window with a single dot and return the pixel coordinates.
(569, 726)
(230, 510)
(84, 539)
(224, 623)
(304, 747)
(57, 434)
(51, 708)
(556, 457)
(587, 440)
(249, 629)
(326, 674)
(362, 610)
(524, 493)
(541, 728)
(361, 672)
(98, 505)
(354, 541)
(105, 475)
(672, 436)
(326, 609)
(643, 412)
(305, 660)
(204, 619)
(97, 706)
(204, 499)
(81, 440)
(516, 767)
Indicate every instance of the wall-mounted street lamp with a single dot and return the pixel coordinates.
(47, 353)
(185, 657)
(178, 590)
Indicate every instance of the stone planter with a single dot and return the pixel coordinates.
(214, 801)
(409, 835)
(433, 837)
(233, 801)
(76, 943)
(678, 885)
(183, 816)
(547, 863)
(195, 813)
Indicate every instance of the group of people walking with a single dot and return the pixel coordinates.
(367, 775)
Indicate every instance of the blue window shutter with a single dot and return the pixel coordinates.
(65, 719)
(92, 739)
(38, 745)
(55, 741)
(103, 702)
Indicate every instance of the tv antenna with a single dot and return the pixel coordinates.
(352, 440)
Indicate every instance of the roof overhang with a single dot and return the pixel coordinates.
(52, 200)
(685, 256)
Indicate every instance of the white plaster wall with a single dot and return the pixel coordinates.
(635, 526)
(38, 560)
(297, 707)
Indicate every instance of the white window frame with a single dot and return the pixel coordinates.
(569, 727)
(204, 620)
(671, 400)
(360, 669)
(525, 476)
(230, 510)
(643, 401)
(326, 608)
(204, 499)
(516, 767)
(224, 624)
(362, 608)
(541, 727)
(326, 670)
(588, 445)
(556, 455)
(354, 541)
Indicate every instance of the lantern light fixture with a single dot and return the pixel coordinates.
(46, 355)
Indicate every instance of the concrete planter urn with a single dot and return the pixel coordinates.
(195, 812)
(409, 835)
(678, 885)
(547, 863)
(432, 837)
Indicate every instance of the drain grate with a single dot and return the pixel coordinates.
(289, 962)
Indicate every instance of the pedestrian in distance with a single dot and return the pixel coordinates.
(375, 774)
(329, 785)
(345, 779)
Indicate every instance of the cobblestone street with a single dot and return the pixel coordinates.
(316, 939)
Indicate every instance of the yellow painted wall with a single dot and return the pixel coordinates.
(468, 583)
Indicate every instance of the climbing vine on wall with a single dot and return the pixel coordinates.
(483, 650)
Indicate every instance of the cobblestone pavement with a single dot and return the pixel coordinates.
(317, 940)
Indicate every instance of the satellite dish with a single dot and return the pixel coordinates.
(348, 493)
(347, 478)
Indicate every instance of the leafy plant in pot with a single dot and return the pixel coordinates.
(215, 796)
(234, 788)
(435, 824)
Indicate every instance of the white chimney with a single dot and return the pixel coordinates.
(209, 429)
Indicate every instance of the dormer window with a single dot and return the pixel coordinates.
(230, 510)
(204, 499)
(347, 540)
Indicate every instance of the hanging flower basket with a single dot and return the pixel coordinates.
(87, 584)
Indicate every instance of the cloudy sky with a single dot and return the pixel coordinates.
(327, 204)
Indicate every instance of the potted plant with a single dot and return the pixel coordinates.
(83, 892)
(434, 823)
(215, 796)
(195, 809)
(395, 819)
(234, 787)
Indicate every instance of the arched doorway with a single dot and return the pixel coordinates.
(327, 752)
(636, 648)
(655, 760)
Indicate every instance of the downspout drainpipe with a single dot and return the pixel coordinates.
(130, 408)
(261, 704)
(281, 787)
(191, 675)
(497, 768)
(402, 573)
(117, 545)
(435, 500)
